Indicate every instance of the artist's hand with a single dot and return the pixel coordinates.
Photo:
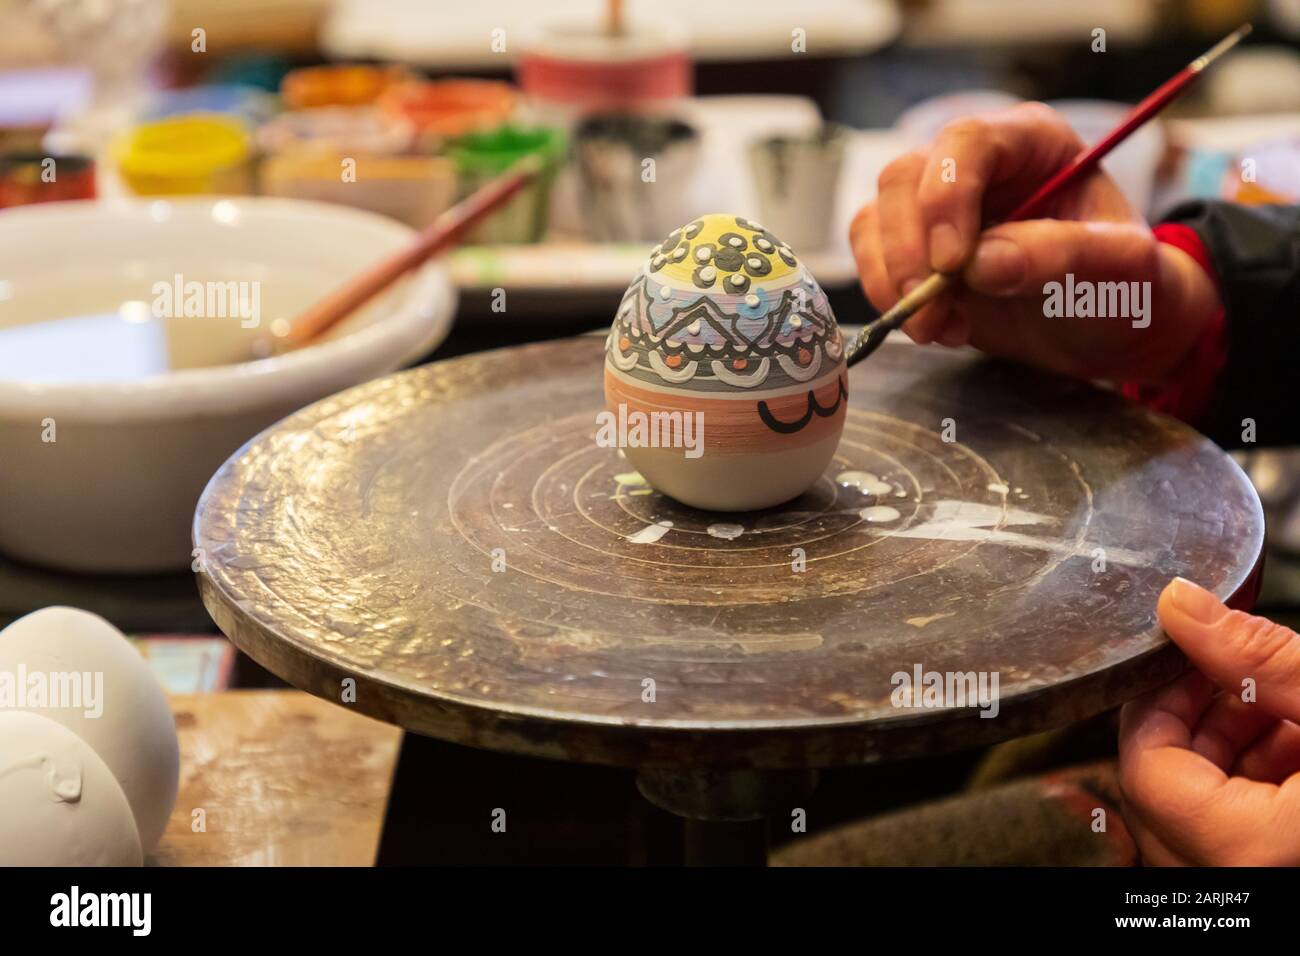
(1208, 778)
(927, 216)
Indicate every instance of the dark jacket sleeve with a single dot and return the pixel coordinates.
(1256, 255)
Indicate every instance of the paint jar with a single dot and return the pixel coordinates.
(341, 85)
(32, 177)
(410, 189)
(480, 157)
(632, 175)
(247, 104)
(796, 179)
(444, 109)
(186, 155)
(341, 130)
(570, 68)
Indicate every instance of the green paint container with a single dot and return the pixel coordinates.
(479, 157)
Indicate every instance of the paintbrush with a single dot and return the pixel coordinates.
(444, 232)
(873, 333)
(614, 18)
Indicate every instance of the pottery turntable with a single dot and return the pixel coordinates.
(453, 542)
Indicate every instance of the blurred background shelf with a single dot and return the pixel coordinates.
(431, 35)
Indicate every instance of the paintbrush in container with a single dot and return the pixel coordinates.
(443, 233)
(874, 332)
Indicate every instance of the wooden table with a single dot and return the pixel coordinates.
(276, 778)
(451, 543)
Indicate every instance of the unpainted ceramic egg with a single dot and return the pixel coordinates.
(122, 715)
(725, 331)
(62, 806)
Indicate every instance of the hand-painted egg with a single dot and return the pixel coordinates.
(725, 369)
(97, 686)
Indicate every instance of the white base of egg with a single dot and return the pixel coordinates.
(745, 482)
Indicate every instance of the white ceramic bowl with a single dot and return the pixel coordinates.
(115, 490)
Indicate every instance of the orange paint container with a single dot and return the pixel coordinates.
(346, 85)
(443, 109)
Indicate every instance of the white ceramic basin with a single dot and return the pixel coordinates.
(141, 409)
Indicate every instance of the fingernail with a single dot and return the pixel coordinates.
(945, 247)
(955, 335)
(1196, 602)
(998, 266)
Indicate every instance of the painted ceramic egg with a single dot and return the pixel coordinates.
(725, 369)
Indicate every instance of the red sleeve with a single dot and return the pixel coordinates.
(1189, 399)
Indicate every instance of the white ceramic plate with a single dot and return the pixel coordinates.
(133, 446)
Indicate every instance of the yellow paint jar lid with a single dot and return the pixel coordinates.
(183, 147)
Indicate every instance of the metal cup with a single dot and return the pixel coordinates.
(634, 175)
(796, 178)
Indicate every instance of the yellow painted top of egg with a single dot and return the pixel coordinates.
(723, 253)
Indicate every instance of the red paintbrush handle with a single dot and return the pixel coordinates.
(1086, 161)
(874, 333)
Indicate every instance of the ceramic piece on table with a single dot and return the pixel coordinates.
(482, 156)
(186, 155)
(410, 189)
(441, 110)
(727, 330)
(344, 130)
(620, 202)
(150, 408)
(797, 181)
(338, 85)
(92, 682)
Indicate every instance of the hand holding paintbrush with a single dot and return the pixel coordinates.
(1003, 163)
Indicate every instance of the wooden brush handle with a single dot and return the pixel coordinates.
(440, 235)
